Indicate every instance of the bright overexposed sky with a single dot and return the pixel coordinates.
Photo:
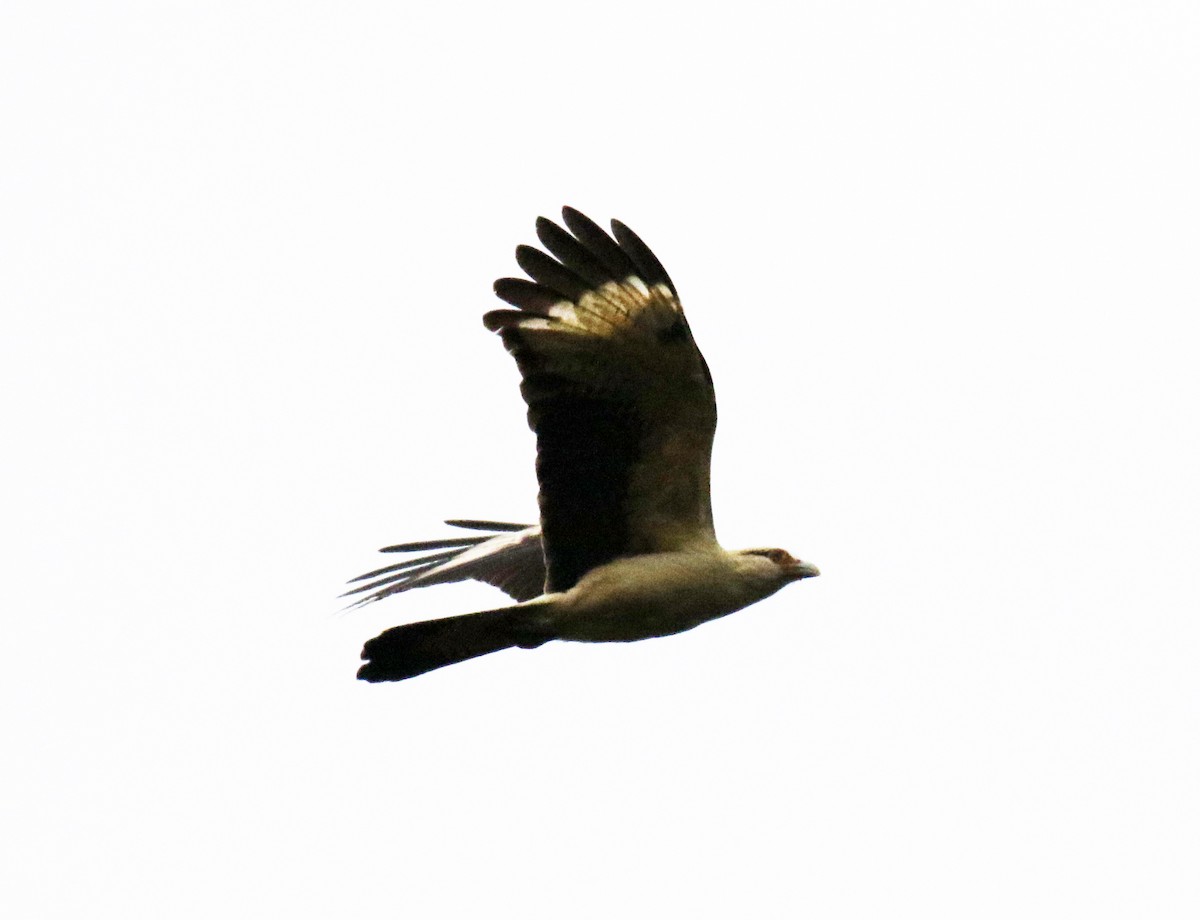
(942, 260)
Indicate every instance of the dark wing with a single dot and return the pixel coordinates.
(510, 559)
(618, 394)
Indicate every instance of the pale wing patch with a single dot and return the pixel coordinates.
(638, 285)
(538, 324)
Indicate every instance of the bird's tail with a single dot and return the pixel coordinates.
(406, 651)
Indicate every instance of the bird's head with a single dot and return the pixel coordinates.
(776, 565)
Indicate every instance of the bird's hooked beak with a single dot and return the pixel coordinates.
(798, 570)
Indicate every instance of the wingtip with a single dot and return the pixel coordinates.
(500, 320)
(526, 254)
(478, 524)
(548, 232)
(643, 257)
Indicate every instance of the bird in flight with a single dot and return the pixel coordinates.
(622, 403)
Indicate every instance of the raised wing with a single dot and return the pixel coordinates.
(509, 557)
(618, 394)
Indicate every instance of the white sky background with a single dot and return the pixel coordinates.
(941, 258)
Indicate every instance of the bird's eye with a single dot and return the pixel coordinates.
(778, 556)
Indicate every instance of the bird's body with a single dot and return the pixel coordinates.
(622, 404)
(660, 594)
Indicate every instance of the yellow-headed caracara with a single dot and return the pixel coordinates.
(622, 404)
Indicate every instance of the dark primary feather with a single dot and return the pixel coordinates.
(529, 296)
(599, 244)
(485, 525)
(508, 557)
(550, 274)
(647, 262)
(422, 562)
(618, 394)
(571, 253)
(419, 545)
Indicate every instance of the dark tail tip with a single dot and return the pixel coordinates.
(417, 648)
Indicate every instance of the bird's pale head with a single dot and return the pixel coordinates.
(777, 564)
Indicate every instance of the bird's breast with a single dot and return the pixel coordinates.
(643, 597)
